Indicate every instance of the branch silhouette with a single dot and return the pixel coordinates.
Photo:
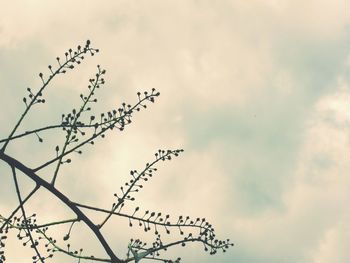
(80, 130)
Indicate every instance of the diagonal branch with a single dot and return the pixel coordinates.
(34, 244)
(19, 206)
(160, 156)
(67, 64)
(96, 83)
(41, 182)
(110, 125)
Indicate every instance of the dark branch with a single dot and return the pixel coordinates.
(34, 243)
(29, 172)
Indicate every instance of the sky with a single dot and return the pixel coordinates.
(257, 93)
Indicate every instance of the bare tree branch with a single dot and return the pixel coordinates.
(19, 207)
(80, 131)
(28, 230)
(37, 179)
(71, 59)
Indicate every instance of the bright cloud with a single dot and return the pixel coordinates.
(255, 91)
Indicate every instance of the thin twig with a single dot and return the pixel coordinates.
(39, 93)
(37, 179)
(122, 199)
(69, 133)
(34, 245)
(54, 244)
(140, 219)
(96, 135)
(19, 206)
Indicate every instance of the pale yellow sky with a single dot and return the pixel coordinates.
(256, 92)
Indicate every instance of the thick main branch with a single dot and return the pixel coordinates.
(38, 180)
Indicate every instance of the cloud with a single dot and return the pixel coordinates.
(311, 221)
(333, 245)
(250, 89)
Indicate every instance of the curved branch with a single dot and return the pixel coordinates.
(141, 219)
(162, 155)
(32, 175)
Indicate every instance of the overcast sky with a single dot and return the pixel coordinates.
(257, 93)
